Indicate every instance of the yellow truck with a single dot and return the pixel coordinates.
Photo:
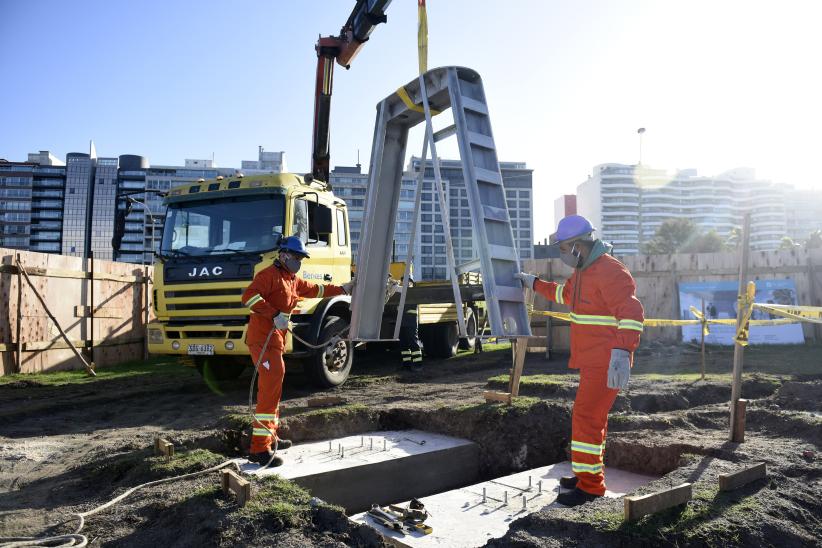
(219, 233)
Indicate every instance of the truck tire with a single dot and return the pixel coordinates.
(330, 367)
(216, 369)
(440, 340)
(469, 342)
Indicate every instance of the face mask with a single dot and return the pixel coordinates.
(293, 265)
(572, 258)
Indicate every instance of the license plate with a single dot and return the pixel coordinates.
(201, 350)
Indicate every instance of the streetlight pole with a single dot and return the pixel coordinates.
(641, 132)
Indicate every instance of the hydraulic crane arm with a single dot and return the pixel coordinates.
(365, 16)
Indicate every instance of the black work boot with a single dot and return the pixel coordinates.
(568, 482)
(283, 444)
(264, 457)
(575, 497)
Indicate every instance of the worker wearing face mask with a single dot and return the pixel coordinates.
(606, 323)
(271, 297)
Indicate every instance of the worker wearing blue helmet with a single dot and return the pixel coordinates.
(271, 297)
(606, 322)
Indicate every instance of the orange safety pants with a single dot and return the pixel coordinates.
(269, 391)
(589, 423)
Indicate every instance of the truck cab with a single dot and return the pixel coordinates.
(217, 236)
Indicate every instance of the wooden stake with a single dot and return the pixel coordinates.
(735, 480)
(738, 427)
(520, 348)
(636, 507)
(736, 386)
(497, 396)
(231, 482)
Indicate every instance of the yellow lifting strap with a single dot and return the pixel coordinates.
(410, 104)
(422, 36)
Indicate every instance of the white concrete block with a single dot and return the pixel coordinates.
(460, 518)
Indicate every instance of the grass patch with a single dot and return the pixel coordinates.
(533, 380)
(163, 365)
(518, 404)
(184, 462)
(280, 502)
(331, 412)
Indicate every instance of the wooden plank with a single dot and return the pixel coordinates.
(233, 483)
(65, 273)
(738, 417)
(503, 397)
(735, 480)
(636, 507)
(326, 401)
(163, 448)
(34, 346)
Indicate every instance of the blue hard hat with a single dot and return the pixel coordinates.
(294, 245)
(571, 228)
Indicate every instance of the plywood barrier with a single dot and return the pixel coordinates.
(657, 278)
(29, 340)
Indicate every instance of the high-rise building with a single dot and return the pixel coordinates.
(430, 258)
(565, 205)
(628, 203)
(77, 202)
(803, 212)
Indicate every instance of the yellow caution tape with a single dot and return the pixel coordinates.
(812, 314)
(410, 104)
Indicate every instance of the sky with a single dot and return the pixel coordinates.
(717, 85)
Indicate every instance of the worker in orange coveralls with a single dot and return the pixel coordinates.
(271, 297)
(606, 323)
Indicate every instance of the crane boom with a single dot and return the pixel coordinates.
(365, 16)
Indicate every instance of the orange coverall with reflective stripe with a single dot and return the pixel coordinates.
(272, 291)
(605, 314)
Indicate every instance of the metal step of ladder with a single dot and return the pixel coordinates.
(461, 90)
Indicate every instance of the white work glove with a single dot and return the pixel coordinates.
(619, 370)
(348, 287)
(391, 287)
(281, 321)
(527, 279)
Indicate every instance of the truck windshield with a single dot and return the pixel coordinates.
(249, 224)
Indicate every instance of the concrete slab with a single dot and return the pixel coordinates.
(470, 516)
(377, 467)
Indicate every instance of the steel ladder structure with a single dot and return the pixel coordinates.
(433, 92)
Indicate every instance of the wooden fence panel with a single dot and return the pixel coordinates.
(66, 286)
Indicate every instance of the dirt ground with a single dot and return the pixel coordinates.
(68, 444)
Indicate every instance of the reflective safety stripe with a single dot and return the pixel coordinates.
(417, 359)
(589, 319)
(586, 468)
(630, 324)
(409, 352)
(320, 291)
(260, 432)
(265, 417)
(558, 294)
(253, 300)
(589, 448)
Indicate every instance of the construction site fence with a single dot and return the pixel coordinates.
(101, 307)
(657, 280)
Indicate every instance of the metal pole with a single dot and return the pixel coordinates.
(702, 332)
(736, 386)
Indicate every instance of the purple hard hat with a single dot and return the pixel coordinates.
(571, 228)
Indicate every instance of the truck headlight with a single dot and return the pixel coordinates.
(175, 345)
(229, 345)
(155, 336)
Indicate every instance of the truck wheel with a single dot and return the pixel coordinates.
(330, 367)
(440, 340)
(215, 369)
(468, 342)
